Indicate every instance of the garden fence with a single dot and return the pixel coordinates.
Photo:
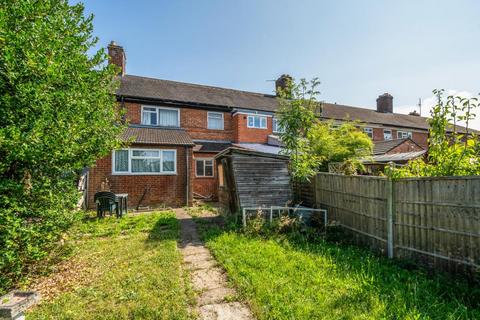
(431, 220)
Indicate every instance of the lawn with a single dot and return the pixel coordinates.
(126, 268)
(286, 277)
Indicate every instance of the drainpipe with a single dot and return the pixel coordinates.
(187, 175)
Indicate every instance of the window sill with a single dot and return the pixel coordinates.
(204, 177)
(144, 173)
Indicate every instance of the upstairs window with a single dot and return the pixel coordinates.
(404, 134)
(387, 134)
(144, 161)
(204, 167)
(159, 116)
(277, 128)
(215, 120)
(368, 132)
(149, 116)
(258, 122)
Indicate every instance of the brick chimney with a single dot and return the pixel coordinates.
(385, 103)
(116, 55)
(283, 84)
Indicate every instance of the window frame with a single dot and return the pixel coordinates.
(208, 120)
(203, 162)
(259, 116)
(130, 157)
(158, 108)
(275, 126)
(368, 130)
(408, 133)
(391, 134)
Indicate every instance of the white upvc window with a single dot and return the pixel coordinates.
(276, 127)
(144, 161)
(204, 167)
(387, 134)
(256, 121)
(215, 120)
(368, 132)
(160, 116)
(404, 134)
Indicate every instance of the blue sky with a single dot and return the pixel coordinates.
(358, 49)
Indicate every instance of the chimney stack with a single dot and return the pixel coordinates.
(116, 55)
(385, 103)
(284, 85)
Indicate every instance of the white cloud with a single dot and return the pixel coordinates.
(429, 102)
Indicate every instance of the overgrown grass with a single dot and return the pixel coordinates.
(288, 277)
(134, 270)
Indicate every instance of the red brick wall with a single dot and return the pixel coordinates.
(194, 121)
(133, 112)
(205, 185)
(407, 146)
(167, 190)
(244, 134)
(421, 138)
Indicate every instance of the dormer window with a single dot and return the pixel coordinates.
(258, 122)
(160, 116)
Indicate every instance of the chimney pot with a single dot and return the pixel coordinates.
(284, 85)
(116, 56)
(385, 103)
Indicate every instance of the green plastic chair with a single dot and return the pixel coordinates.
(106, 201)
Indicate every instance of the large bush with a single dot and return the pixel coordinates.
(453, 150)
(58, 115)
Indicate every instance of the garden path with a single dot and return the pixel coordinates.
(215, 300)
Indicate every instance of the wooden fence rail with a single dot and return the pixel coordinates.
(434, 220)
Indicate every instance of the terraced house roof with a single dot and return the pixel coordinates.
(187, 93)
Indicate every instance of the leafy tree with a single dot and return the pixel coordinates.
(58, 114)
(313, 144)
(297, 115)
(453, 150)
(339, 144)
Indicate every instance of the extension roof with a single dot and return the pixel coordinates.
(165, 136)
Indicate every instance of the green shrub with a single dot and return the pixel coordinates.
(58, 115)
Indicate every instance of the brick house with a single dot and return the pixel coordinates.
(176, 129)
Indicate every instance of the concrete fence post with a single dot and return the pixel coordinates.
(244, 217)
(390, 221)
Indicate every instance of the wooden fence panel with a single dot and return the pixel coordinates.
(358, 204)
(436, 221)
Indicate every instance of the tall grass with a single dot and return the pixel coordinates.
(292, 277)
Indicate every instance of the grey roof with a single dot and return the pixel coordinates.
(382, 147)
(207, 146)
(161, 136)
(180, 92)
(396, 157)
(141, 87)
(258, 147)
(341, 112)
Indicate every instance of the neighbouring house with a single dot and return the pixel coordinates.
(176, 129)
(398, 151)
